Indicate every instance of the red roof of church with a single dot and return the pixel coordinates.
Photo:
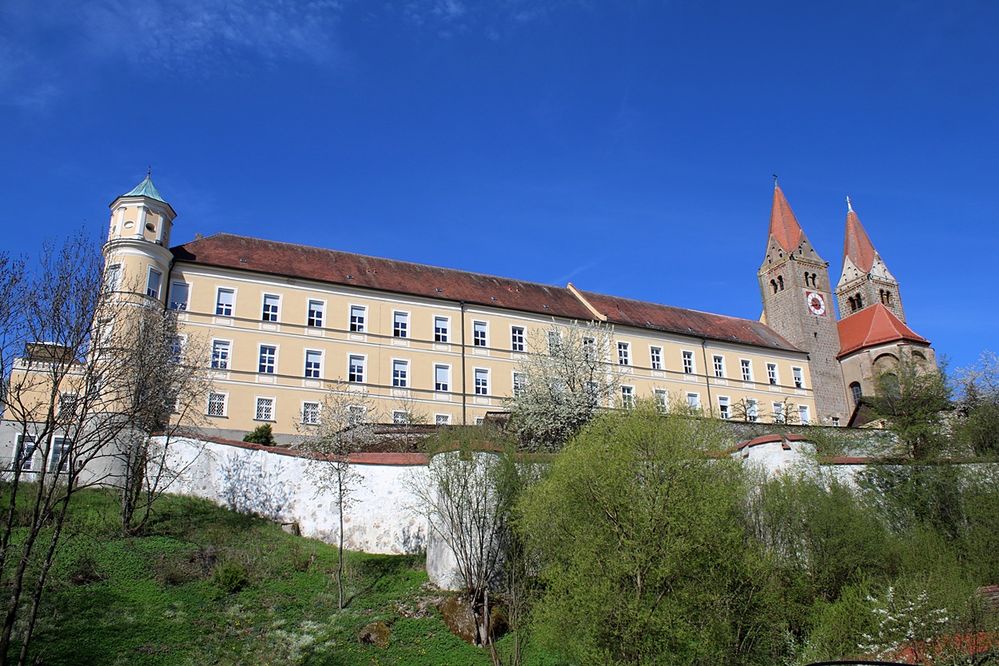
(356, 270)
(873, 326)
(858, 246)
(784, 225)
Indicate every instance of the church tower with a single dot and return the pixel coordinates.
(797, 303)
(137, 256)
(865, 280)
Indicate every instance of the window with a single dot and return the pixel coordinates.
(153, 283)
(442, 419)
(778, 412)
(220, 354)
(60, 451)
(519, 383)
(441, 329)
(25, 452)
(216, 404)
(799, 378)
(835, 421)
(400, 324)
(313, 364)
(265, 409)
(357, 313)
(400, 373)
(479, 331)
(317, 312)
(590, 349)
(310, 413)
(481, 381)
(442, 378)
(355, 414)
(803, 414)
(773, 285)
(271, 306)
(752, 411)
(694, 400)
(517, 338)
(719, 363)
(628, 397)
(856, 392)
(724, 407)
(355, 369)
(772, 373)
(67, 404)
(623, 353)
(554, 342)
(747, 369)
(177, 348)
(180, 292)
(224, 301)
(656, 356)
(400, 417)
(112, 277)
(661, 399)
(688, 362)
(268, 359)
(780, 282)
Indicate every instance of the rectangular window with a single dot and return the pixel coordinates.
(400, 324)
(153, 283)
(355, 414)
(554, 342)
(357, 315)
(481, 381)
(216, 404)
(656, 357)
(778, 412)
(272, 303)
(265, 409)
(519, 383)
(688, 362)
(752, 411)
(442, 419)
(400, 374)
(268, 359)
(694, 400)
(719, 363)
(479, 331)
(313, 364)
(724, 407)
(799, 378)
(803, 414)
(442, 378)
(623, 353)
(310, 413)
(355, 369)
(517, 338)
(400, 417)
(67, 404)
(661, 399)
(441, 329)
(225, 299)
(60, 451)
(590, 349)
(220, 354)
(25, 452)
(177, 348)
(747, 369)
(180, 292)
(317, 312)
(628, 397)
(772, 373)
(112, 277)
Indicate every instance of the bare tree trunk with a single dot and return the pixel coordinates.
(339, 563)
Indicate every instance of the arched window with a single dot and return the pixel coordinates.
(887, 297)
(857, 392)
(773, 285)
(860, 301)
(780, 282)
(815, 280)
(853, 304)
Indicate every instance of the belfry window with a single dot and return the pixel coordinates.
(780, 282)
(860, 301)
(773, 285)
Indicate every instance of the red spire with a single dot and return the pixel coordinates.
(858, 246)
(784, 226)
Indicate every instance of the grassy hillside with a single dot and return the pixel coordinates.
(206, 585)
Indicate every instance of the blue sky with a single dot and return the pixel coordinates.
(626, 146)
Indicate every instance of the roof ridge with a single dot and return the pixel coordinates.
(677, 307)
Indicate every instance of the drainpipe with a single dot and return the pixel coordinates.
(707, 377)
(464, 380)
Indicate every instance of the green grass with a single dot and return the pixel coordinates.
(160, 598)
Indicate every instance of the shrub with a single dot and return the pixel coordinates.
(262, 434)
(230, 577)
(85, 570)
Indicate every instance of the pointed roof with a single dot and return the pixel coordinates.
(858, 246)
(146, 189)
(873, 326)
(784, 225)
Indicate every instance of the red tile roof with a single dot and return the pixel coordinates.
(345, 268)
(858, 246)
(873, 326)
(668, 319)
(784, 225)
(770, 439)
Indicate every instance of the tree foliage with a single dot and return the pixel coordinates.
(912, 399)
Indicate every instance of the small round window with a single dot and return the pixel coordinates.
(150, 227)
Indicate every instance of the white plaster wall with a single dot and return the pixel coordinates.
(774, 459)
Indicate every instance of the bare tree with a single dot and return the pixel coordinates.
(337, 429)
(561, 383)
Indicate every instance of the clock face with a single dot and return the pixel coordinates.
(816, 304)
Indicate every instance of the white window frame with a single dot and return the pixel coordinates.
(445, 337)
(402, 381)
(24, 462)
(173, 289)
(661, 396)
(554, 342)
(68, 403)
(687, 362)
(518, 382)
(442, 419)
(772, 375)
(57, 453)
(159, 285)
(624, 353)
(627, 396)
(256, 408)
(447, 377)
(225, 404)
(260, 352)
(724, 407)
(112, 277)
(310, 321)
(400, 332)
(798, 374)
(364, 368)
(718, 364)
(778, 412)
(362, 327)
(655, 357)
(746, 368)
(318, 412)
(804, 415)
(518, 341)
(263, 308)
(404, 419)
(752, 410)
(318, 370)
(228, 354)
(696, 404)
(475, 381)
(484, 343)
(219, 304)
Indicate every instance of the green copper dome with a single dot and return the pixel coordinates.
(146, 189)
